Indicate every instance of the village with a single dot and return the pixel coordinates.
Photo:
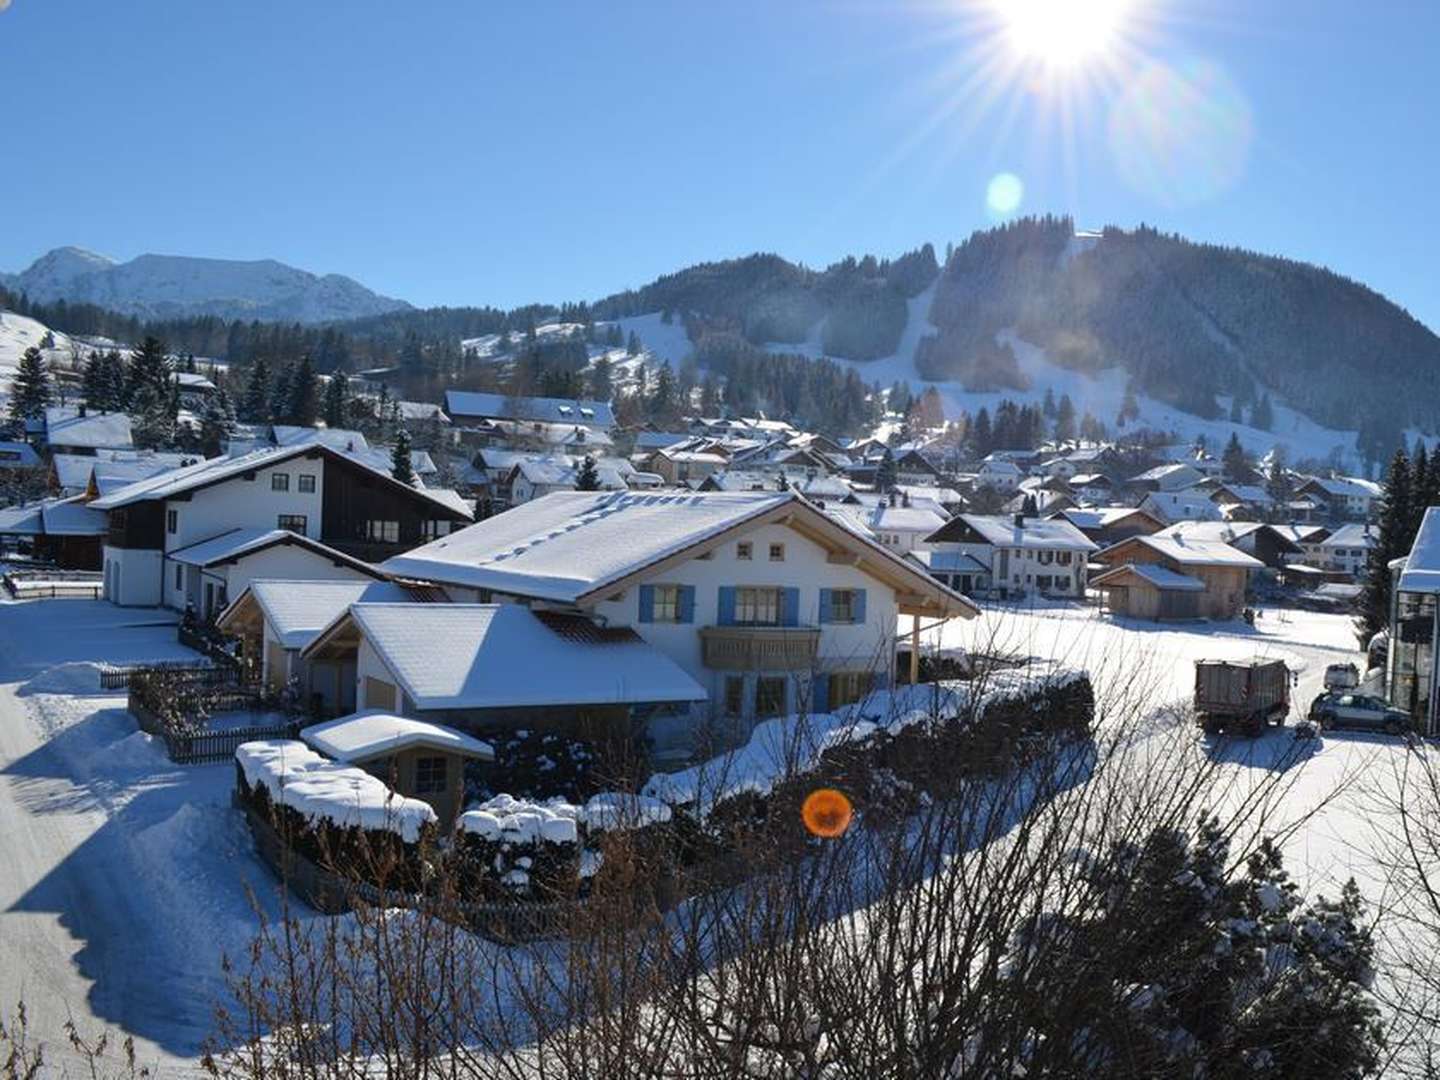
(550, 632)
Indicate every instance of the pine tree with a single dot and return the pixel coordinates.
(92, 383)
(632, 344)
(1420, 484)
(255, 405)
(1262, 415)
(588, 477)
(601, 387)
(1065, 420)
(30, 390)
(400, 465)
(336, 391)
(302, 404)
(1392, 542)
(214, 428)
(982, 436)
(153, 427)
(278, 399)
(1049, 407)
(662, 399)
(885, 473)
(114, 382)
(1233, 458)
(149, 367)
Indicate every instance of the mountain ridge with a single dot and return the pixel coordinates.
(157, 286)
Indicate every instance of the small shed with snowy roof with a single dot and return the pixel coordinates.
(418, 759)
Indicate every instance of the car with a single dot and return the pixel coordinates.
(1351, 710)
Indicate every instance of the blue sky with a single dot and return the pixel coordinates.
(482, 151)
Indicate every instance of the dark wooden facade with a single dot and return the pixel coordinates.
(354, 497)
(139, 525)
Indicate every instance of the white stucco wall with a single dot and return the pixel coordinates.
(137, 572)
(283, 562)
(247, 504)
(867, 646)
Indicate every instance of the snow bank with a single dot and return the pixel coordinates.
(322, 790)
(508, 820)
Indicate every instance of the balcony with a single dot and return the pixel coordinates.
(759, 648)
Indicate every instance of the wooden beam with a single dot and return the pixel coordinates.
(914, 650)
(843, 558)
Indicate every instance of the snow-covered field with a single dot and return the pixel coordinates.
(127, 878)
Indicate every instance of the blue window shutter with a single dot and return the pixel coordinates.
(687, 604)
(859, 605)
(820, 694)
(647, 603)
(825, 615)
(726, 613)
(790, 607)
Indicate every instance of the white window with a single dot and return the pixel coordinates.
(383, 532)
(743, 550)
(279, 481)
(842, 607)
(307, 483)
(757, 607)
(777, 552)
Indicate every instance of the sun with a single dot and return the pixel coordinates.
(1061, 33)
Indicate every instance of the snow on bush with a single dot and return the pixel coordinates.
(321, 790)
(795, 745)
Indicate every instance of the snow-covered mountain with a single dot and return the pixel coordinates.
(165, 286)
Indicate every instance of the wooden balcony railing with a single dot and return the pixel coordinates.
(759, 648)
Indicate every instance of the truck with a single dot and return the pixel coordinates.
(1241, 695)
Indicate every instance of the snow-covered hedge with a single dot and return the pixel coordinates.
(908, 739)
(338, 816)
(533, 849)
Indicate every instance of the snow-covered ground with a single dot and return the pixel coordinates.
(1338, 774)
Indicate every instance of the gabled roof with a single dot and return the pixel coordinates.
(1102, 517)
(1421, 571)
(18, 455)
(369, 734)
(298, 610)
(1226, 532)
(1186, 552)
(1161, 577)
(335, 438)
(1352, 536)
(1002, 531)
(72, 517)
(1346, 486)
(212, 471)
(905, 519)
(485, 656)
(464, 403)
(64, 426)
(578, 546)
(1181, 506)
(237, 543)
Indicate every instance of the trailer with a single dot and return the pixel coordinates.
(1241, 695)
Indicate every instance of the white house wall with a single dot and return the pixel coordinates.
(238, 503)
(133, 576)
(867, 646)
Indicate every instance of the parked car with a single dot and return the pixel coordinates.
(1339, 677)
(1359, 711)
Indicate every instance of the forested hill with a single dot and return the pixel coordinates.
(1189, 322)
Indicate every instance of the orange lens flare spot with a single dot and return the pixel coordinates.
(826, 813)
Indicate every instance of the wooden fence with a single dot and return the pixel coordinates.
(208, 747)
(27, 586)
(118, 678)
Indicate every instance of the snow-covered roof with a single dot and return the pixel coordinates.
(1163, 472)
(193, 380)
(1001, 468)
(335, 438)
(950, 562)
(318, 788)
(366, 735)
(1054, 534)
(826, 487)
(1351, 536)
(237, 543)
(1346, 486)
(18, 455)
(481, 656)
(1181, 505)
(1191, 552)
(64, 426)
(887, 518)
(1100, 517)
(466, 404)
(567, 544)
(175, 482)
(1161, 577)
(71, 517)
(22, 520)
(298, 610)
(655, 440)
(421, 410)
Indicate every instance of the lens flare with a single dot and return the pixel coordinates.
(1181, 136)
(826, 813)
(1004, 194)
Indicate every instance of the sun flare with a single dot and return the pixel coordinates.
(1062, 33)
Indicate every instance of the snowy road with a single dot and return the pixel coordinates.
(96, 917)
